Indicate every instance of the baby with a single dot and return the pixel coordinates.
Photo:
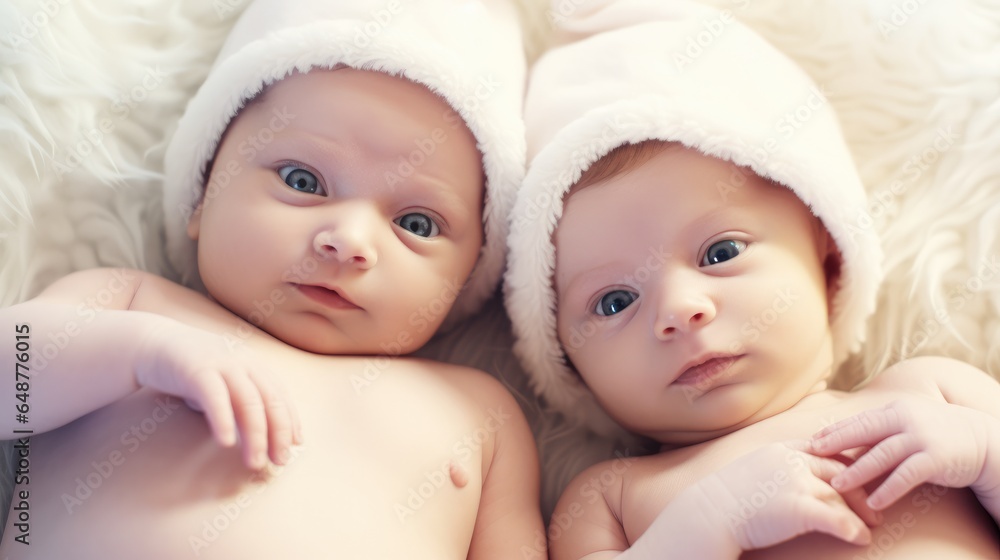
(341, 210)
(686, 258)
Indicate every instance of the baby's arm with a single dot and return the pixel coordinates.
(88, 350)
(706, 520)
(509, 521)
(920, 439)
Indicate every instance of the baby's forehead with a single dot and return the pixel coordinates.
(401, 119)
(670, 194)
(670, 164)
(346, 85)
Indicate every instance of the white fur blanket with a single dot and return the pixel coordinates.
(92, 89)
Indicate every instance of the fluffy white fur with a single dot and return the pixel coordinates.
(891, 93)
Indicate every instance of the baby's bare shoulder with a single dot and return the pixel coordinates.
(123, 289)
(486, 406)
(605, 488)
(476, 385)
(927, 374)
(943, 378)
(610, 476)
(109, 288)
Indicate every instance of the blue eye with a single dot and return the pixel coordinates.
(615, 302)
(418, 224)
(300, 179)
(722, 251)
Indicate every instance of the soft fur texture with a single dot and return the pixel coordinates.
(893, 92)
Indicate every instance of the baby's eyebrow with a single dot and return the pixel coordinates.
(583, 280)
(722, 217)
(714, 220)
(435, 193)
(315, 147)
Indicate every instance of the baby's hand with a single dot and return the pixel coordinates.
(914, 440)
(227, 385)
(779, 492)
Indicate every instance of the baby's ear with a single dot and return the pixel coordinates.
(194, 222)
(831, 260)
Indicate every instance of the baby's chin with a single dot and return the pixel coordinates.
(340, 343)
(683, 438)
(674, 436)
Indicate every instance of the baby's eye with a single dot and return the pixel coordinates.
(418, 224)
(722, 251)
(300, 179)
(615, 302)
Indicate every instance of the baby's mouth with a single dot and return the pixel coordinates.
(702, 376)
(327, 297)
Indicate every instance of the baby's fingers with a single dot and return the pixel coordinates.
(836, 519)
(248, 405)
(912, 472)
(829, 469)
(860, 430)
(282, 419)
(877, 461)
(857, 500)
(217, 407)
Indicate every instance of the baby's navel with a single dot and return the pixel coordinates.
(459, 477)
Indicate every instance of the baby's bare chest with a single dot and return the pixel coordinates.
(372, 480)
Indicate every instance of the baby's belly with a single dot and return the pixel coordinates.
(933, 522)
(143, 479)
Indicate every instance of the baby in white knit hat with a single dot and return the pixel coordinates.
(339, 185)
(685, 261)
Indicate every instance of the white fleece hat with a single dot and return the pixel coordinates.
(627, 71)
(469, 52)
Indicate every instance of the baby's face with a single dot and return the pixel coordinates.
(689, 260)
(343, 213)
